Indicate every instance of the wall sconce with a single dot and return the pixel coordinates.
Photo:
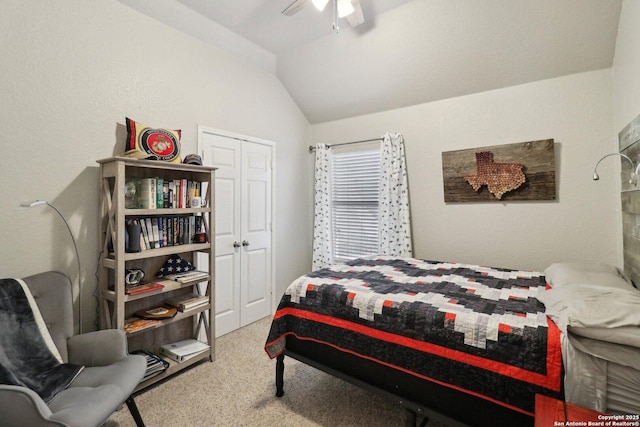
(75, 246)
(635, 169)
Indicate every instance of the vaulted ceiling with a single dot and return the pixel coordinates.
(407, 52)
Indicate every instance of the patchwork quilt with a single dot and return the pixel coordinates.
(479, 330)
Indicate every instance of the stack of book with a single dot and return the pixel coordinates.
(187, 276)
(135, 325)
(155, 364)
(188, 302)
(142, 288)
(184, 350)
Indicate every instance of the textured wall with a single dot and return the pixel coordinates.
(626, 107)
(70, 73)
(581, 224)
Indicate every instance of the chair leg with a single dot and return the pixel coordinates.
(133, 408)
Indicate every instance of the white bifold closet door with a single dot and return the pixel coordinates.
(243, 228)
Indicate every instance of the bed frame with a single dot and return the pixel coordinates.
(422, 400)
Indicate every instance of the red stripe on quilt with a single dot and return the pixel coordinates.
(552, 380)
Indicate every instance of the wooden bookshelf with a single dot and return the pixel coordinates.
(115, 305)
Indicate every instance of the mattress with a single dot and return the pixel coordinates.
(623, 389)
(599, 320)
(477, 330)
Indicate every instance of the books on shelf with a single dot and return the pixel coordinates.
(135, 325)
(184, 350)
(187, 276)
(188, 302)
(168, 230)
(142, 288)
(155, 364)
(161, 193)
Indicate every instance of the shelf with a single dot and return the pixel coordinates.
(173, 368)
(150, 168)
(167, 250)
(179, 316)
(110, 262)
(164, 211)
(169, 285)
(115, 306)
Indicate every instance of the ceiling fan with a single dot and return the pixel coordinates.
(349, 9)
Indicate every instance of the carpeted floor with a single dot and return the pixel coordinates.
(238, 389)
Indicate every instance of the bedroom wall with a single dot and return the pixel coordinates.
(70, 73)
(580, 225)
(626, 68)
(626, 106)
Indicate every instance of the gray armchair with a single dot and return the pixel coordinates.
(107, 381)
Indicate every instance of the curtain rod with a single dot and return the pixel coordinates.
(312, 148)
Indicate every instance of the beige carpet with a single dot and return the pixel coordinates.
(238, 389)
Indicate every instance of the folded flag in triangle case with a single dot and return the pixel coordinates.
(174, 265)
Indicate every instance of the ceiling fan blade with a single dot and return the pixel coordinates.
(356, 18)
(295, 7)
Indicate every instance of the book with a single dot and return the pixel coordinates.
(145, 233)
(192, 228)
(183, 193)
(148, 196)
(159, 193)
(142, 288)
(172, 192)
(152, 243)
(161, 242)
(176, 193)
(143, 244)
(184, 350)
(155, 364)
(187, 276)
(135, 325)
(156, 232)
(165, 194)
(189, 301)
(164, 221)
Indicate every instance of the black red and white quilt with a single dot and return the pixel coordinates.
(479, 330)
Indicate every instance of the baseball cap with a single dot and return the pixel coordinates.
(192, 159)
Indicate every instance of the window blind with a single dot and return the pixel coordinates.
(355, 181)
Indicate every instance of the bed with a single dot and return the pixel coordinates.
(461, 344)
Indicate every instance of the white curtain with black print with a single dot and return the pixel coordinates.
(322, 254)
(394, 226)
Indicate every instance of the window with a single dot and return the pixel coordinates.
(355, 181)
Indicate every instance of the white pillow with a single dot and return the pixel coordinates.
(580, 273)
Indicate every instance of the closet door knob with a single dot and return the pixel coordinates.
(236, 244)
(245, 243)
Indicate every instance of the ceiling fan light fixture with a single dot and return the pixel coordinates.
(345, 8)
(320, 4)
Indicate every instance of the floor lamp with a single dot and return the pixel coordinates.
(75, 246)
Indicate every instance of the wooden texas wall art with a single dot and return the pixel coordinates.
(521, 171)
